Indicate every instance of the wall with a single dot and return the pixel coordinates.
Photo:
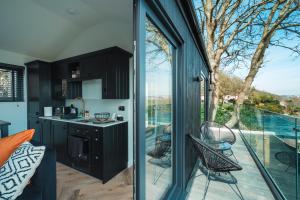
(14, 112)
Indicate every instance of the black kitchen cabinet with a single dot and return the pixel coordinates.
(59, 70)
(97, 152)
(74, 89)
(62, 85)
(114, 150)
(91, 67)
(53, 81)
(115, 83)
(111, 65)
(59, 132)
(64, 89)
(46, 133)
(38, 87)
(33, 82)
(34, 123)
(106, 148)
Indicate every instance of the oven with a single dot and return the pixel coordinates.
(79, 149)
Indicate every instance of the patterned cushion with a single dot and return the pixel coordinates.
(18, 170)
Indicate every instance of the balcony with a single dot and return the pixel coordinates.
(271, 140)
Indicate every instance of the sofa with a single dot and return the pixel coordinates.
(43, 184)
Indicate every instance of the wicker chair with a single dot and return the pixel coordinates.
(220, 137)
(216, 166)
(161, 153)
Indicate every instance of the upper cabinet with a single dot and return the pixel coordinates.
(62, 79)
(111, 65)
(115, 83)
(39, 85)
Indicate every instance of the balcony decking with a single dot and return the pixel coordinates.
(250, 181)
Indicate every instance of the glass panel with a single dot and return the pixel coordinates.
(203, 100)
(280, 151)
(5, 83)
(274, 139)
(297, 133)
(159, 111)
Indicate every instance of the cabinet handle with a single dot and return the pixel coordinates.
(96, 130)
(97, 157)
(77, 131)
(37, 113)
(96, 139)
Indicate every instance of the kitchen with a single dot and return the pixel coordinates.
(76, 105)
(77, 86)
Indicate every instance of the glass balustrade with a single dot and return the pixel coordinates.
(275, 140)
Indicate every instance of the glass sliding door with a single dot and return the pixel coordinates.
(157, 157)
(158, 112)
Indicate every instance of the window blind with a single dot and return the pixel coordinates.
(11, 83)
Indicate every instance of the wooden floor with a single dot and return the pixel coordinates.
(74, 185)
(250, 181)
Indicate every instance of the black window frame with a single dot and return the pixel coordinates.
(18, 75)
(152, 10)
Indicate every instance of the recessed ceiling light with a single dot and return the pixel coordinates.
(72, 11)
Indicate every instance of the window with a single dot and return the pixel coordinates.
(159, 112)
(11, 83)
(203, 99)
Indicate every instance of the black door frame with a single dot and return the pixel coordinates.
(153, 10)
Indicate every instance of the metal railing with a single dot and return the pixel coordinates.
(275, 140)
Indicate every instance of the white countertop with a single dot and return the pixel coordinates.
(76, 121)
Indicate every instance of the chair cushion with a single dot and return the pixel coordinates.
(159, 150)
(222, 146)
(9, 144)
(18, 170)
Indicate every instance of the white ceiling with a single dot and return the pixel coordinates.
(45, 28)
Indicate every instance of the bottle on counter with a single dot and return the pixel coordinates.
(87, 114)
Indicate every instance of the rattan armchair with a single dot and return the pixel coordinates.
(213, 132)
(160, 155)
(220, 137)
(216, 166)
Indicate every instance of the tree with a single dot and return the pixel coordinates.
(237, 33)
(229, 85)
(5, 78)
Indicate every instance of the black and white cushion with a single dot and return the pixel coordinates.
(18, 170)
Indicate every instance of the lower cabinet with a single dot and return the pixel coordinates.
(101, 152)
(59, 132)
(115, 150)
(46, 133)
(34, 123)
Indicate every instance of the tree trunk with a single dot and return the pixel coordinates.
(254, 67)
(215, 96)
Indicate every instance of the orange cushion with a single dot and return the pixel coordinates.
(9, 144)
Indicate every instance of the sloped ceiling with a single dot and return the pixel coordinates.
(45, 28)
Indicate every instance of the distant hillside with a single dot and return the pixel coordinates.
(285, 104)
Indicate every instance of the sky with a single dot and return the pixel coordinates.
(280, 73)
